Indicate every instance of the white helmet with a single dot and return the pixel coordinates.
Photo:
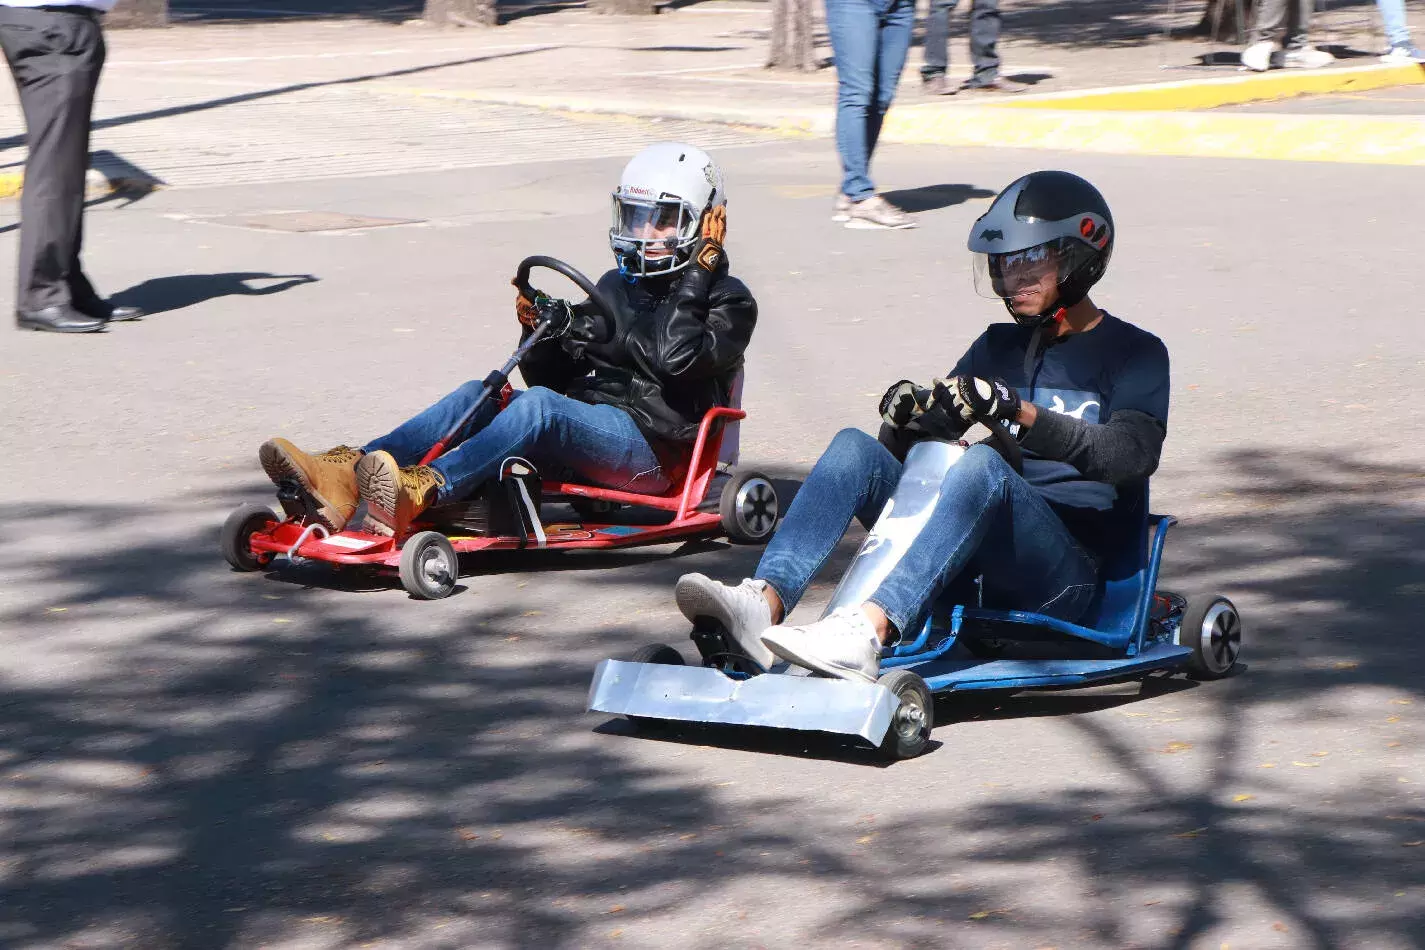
(659, 205)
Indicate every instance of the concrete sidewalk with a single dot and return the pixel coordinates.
(268, 101)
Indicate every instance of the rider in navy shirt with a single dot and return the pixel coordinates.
(1083, 392)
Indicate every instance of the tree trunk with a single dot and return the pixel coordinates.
(793, 39)
(1223, 15)
(462, 12)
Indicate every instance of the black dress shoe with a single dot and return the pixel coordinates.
(102, 310)
(117, 314)
(58, 320)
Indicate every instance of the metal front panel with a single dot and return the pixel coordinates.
(699, 694)
(899, 523)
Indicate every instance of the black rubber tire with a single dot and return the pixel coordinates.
(593, 510)
(909, 733)
(663, 655)
(1212, 627)
(660, 653)
(238, 530)
(429, 566)
(749, 508)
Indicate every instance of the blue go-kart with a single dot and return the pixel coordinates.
(1132, 630)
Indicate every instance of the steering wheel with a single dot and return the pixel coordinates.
(1005, 445)
(521, 282)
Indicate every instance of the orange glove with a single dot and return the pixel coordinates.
(526, 312)
(714, 233)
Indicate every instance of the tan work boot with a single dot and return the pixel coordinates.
(328, 478)
(394, 496)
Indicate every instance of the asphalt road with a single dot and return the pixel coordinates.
(191, 757)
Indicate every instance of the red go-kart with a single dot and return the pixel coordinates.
(519, 510)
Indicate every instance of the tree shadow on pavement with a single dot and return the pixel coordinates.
(238, 771)
(162, 294)
(15, 141)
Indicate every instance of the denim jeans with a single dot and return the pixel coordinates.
(1392, 15)
(984, 34)
(602, 444)
(870, 40)
(1271, 15)
(988, 520)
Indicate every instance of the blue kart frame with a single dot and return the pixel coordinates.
(1130, 631)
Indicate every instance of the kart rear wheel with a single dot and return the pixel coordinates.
(429, 566)
(910, 726)
(749, 508)
(1212, 628)
(238, 530)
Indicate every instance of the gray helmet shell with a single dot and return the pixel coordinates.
(1047, 207)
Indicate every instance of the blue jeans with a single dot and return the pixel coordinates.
(602, 444)
(870, 40)
(1392, 15)
(988, 521)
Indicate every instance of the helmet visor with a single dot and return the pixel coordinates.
(656, 227)
(1033, 271)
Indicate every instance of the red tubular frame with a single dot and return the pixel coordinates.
(682, 500)
(701, 467)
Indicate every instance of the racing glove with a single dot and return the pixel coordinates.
(710, 253)
(544, 309)
(902, 403)
(912, 408)
(977, 400)
(525, 311)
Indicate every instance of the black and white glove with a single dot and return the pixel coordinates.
(978, 400)
(915, 409)
(902, 403)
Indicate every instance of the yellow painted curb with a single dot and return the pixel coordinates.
(11, 184)
(1366, 140)
(1233, 90)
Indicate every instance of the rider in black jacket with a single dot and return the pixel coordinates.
(616, 401)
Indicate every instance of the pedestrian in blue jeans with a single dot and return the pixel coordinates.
(870, 40)
(617, 397)
(1086, 395)
(1397, 34)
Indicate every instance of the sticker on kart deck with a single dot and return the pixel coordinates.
(620, 531)
(351, 544)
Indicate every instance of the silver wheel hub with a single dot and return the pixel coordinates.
(1221, 637)
(756, 506)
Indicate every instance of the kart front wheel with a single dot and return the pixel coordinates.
(429, 567)
(1212, 628)
(237, 535)
(749, 508)
(660, 654)
(909, 733)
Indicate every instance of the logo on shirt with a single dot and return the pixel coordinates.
(1057, 405)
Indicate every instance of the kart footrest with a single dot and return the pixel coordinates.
(703, 695)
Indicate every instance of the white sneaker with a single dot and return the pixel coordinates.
(843, 645)
(1403, 55)
(841, 211)
(1258, 56)
(1307, 57)
(876, 213)
(741, 609)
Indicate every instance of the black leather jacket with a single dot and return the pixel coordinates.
(671, 353)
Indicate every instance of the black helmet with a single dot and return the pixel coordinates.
(1046, 222)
